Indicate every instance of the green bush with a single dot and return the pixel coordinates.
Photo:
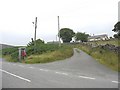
(42, 48)
(9, 51)
(14, 55)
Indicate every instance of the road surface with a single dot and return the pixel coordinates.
(79, 71)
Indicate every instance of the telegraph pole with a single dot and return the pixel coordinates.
(35, 28)
(35, 34)
(59, 32)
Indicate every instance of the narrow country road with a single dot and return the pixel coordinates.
(79, 71)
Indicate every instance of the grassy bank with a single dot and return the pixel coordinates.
(44, 53)
(60, 54)
(103, 56)
(9, 58)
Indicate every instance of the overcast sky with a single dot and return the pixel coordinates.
(90, 16)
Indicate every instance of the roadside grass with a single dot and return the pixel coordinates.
(106, 57)
(9, 58)
(44, 53)
(50, 56)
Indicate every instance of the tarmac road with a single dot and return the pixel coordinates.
(79, 71)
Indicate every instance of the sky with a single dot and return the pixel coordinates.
(89, 16)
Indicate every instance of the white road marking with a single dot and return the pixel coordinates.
(31, 67)
(21, 65)
(44, 70)
(61, 73)
(41, 69)
(16, 75)
(64, 73)
(115, 82)
(55, 72)
(86, 77)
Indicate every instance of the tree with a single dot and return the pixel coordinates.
(38, 42)
(81, 36)
(115, 36)
(117, 29)
(66, 34)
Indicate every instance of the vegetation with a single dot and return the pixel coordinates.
(81, 36)
(60, 54)
(117, 29)
(41, 53)
(66, 34)
(9, 58)
(9, 51)
(37, 42)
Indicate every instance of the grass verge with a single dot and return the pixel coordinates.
(9, 58)
(60, 54)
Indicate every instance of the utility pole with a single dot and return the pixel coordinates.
(119, 11)
(59, 32)
(35, 34)
(35, 28)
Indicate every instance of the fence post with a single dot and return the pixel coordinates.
(19, 57)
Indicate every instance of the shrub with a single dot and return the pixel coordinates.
(9, 51)
(41, 48)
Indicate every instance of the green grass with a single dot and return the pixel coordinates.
(60, 54)
(9, 58)
(31, 50)
(106, 57)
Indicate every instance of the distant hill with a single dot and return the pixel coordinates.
(2, 46)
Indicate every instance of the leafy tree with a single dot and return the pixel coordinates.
(115, 36)
(66, 34)
(38, 42)
(117, 29)
(81, 36)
